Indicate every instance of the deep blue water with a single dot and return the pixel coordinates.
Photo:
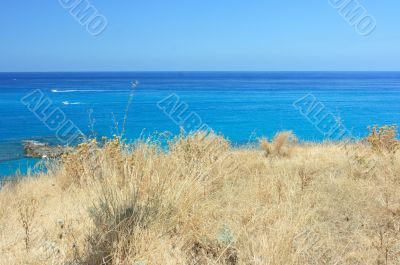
(241, 105)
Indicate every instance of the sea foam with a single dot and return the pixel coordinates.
(63, 91)
(71, 103)
(85, 90)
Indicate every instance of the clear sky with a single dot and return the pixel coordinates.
(146, 35)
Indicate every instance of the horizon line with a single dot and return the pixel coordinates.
(206, 71)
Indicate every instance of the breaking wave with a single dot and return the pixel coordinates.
(70, 103)
(86, 90)
(63, 91)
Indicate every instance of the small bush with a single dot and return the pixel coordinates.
(281, 145)
(115, 223)
(200, 147)
(383, 138)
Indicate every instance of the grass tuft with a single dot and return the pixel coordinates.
(282, 144)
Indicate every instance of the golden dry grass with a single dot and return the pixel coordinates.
(281, 145)
(205, 202)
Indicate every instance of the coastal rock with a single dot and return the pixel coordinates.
(37, 149)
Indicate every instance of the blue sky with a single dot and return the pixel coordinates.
(197, 35)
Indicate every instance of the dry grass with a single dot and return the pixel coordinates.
(205, 202)
(281, 145)
(384, 138)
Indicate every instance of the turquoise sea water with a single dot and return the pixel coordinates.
(241, 105)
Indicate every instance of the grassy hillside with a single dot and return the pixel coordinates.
(204, 202)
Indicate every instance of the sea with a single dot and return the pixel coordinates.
(243, 106)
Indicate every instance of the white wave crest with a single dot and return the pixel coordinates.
(70, 103)
(63, 91)
(87, 90)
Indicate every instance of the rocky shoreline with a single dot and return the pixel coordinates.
(36, 149)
